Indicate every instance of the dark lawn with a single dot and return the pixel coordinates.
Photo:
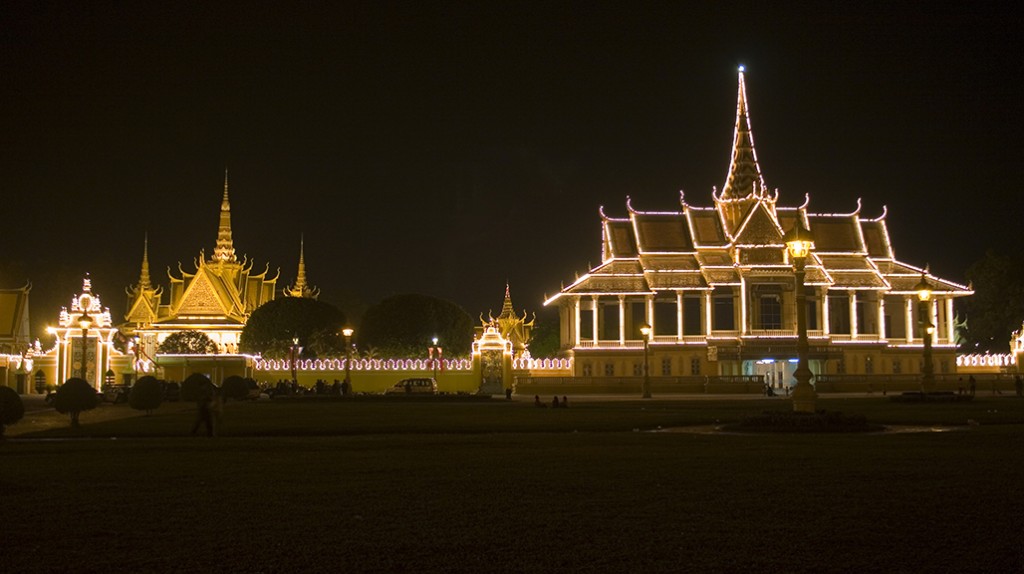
(489, 496)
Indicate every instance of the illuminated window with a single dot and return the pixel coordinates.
(691, 315)
(839, 314)
(771, 312)
(610, 322)
(665, 318)
(723, 311)
(695, 366)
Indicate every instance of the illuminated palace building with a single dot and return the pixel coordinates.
(216, 299)
(717, 287)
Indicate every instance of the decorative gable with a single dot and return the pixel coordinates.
(760, 228)
(201, 298)
(142, 312)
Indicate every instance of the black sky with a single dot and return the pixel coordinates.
(443, 148)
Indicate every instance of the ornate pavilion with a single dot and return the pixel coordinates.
(717, 288)
(216, 299)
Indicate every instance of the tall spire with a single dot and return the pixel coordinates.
(744, 176)
(225, 249)
(301, 288)
(144, 282)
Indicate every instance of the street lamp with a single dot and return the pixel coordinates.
(799, 244)
(296, 349)
(924, 296)
(646, 332)
(435, 356)
(347, 331)
(84, 321)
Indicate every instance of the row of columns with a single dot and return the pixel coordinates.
(910, 323)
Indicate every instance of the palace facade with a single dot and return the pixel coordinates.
(716, 285)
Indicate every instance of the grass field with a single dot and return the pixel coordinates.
(504, 487)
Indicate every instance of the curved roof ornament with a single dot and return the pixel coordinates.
(629, 204)
(807, 201)
(885, 211)
(600, 210)
(714, 193)
(857, 212)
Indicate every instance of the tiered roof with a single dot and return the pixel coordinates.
(698, 248)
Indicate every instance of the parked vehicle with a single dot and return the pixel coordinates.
(426, 386)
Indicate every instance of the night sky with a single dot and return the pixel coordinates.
(444, 148)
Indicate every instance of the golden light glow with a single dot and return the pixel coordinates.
(924, 290)
(645, 331)
(347, 331)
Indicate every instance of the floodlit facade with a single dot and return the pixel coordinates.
(216, 299)
(716, 285)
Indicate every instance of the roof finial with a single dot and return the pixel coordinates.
(144, 281)
(225, 249)
(744, 172)
(301, 288)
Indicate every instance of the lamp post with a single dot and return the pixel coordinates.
(799, 244)
(435, 356)
(85, 321)
(347, 331)
(295, 350)
(924, 297)
(646, 387)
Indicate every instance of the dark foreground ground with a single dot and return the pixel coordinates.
(504, 487)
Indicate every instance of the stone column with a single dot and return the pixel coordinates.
(679, 316)
(824, 312)
(576, 321)
(707, 312)
(853, 314)
(911, 323)
(950, 327)
(881, 316)
(622, 320)
(594, 312)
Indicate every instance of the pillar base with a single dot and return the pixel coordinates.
(804, 395)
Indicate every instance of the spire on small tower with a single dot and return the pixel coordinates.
(301, 288)
(506, 307)
(225, 249)
(744, 176)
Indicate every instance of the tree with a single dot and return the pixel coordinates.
(147, 394)
(996, 309)
(545, 338)
(11, 408)
(73, 397)
(188, 343)
(404, 325)
(272, 326)
(235, 387)
(196, 387)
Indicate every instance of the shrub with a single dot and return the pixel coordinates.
(235, 387)
(11, 408)
(196, 388)
(73, 397)
(820, 421)
(147, 394)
